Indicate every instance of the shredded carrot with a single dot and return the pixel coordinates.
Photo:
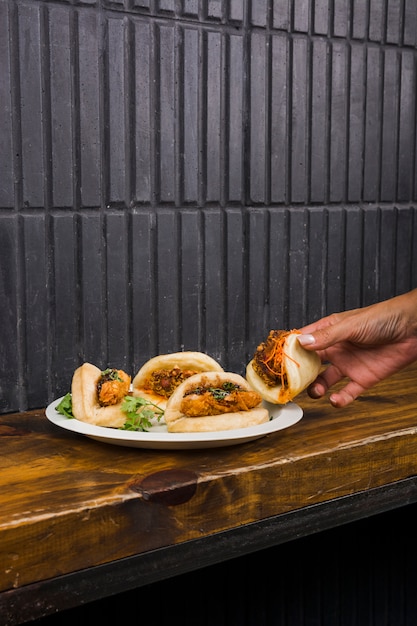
(273, 357)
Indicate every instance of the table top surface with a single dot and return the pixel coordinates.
(68, 502)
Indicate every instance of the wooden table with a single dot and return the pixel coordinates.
(80, 519)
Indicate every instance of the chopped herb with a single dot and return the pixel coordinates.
(218, 393)
(140, 413)
(111, 374)
(65, 406)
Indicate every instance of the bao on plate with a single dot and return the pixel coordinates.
(97, 396)
(160, 376)
(281, 368)
(214, 401)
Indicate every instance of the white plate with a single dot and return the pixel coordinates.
(159, 438)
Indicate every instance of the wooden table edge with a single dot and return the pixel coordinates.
(38, 600)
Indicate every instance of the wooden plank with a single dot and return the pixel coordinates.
(79, 588)
(68, 503)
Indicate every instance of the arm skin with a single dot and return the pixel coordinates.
(363, 345)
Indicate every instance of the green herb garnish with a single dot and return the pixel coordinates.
(111, 374)
(139, 413)
(226, 388)
(218, 393)
(65, 406)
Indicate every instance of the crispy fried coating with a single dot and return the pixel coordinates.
(199, 404)
(112, 387)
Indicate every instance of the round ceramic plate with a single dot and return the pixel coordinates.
(159, 438)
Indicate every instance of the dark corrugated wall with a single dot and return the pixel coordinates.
(184, 174)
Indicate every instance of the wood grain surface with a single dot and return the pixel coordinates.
(68, 502)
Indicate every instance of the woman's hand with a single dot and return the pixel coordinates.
(364, 345)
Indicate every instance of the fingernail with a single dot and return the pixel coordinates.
(333, 401)
(306, 340)
(316, 391)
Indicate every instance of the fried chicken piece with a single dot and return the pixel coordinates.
(210, 402)
(112, 387)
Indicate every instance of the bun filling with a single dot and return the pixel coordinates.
(228, 398)
(268, 359)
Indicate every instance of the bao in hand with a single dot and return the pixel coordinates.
(281, 368)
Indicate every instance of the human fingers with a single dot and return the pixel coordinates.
(346, 395)
(326, 379)
(327, 332)
(319, 324)
(339, 398)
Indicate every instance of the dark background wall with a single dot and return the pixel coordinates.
(184, 174)
(187, 174)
